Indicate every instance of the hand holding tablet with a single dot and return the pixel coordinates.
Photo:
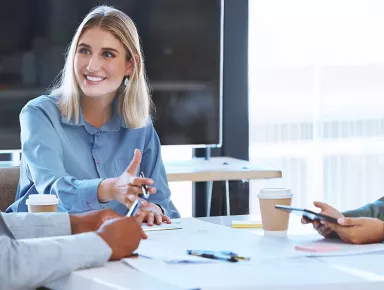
(311, 215)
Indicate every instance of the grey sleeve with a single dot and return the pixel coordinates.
(37, 225)
(35, 262)
(373, 210)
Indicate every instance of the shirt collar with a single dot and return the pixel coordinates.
(114, 124)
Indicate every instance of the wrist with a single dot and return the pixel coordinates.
(105, 190)
(160, 207)
(382, 231)
(74, 222)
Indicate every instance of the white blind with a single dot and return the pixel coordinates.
(316, 97)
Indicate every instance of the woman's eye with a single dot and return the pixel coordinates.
(108, 54)
(84, 51)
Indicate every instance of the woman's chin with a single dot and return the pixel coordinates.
(96, 93)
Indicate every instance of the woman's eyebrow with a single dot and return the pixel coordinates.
(104, 48)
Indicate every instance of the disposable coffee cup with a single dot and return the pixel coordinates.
(42, 203)
(274, 221)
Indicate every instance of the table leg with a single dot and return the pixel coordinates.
(227, 197)
(210, 187)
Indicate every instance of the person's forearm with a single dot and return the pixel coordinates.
(373, 210)
(36, 262)
(28, 225)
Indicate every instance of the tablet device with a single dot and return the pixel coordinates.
(311, 215)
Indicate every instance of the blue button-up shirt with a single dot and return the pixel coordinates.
(70, 160)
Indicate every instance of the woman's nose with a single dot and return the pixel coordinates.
(94, 64)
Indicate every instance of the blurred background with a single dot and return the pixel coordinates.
(295, 85)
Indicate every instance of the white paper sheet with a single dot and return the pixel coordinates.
(274, 261)
(372, 262)
(163, 227)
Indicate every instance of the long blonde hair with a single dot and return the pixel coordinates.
(134, 102)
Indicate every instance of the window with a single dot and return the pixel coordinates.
(316, 98)
(181, 190)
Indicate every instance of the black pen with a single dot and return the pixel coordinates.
(226, 253)
(211, 256)
(144, 187)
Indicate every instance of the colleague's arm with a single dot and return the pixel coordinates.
(372, 210)
(35, 262)
(152, 165)
(46, 165)
(26, 225)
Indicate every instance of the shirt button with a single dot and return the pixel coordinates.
(98, 134)
(97, 161)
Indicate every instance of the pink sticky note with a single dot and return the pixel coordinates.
(316, 248)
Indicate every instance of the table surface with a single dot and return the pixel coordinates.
(216, 169)
(213, 169)
(116, 275)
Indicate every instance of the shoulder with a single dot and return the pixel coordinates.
(45, 104)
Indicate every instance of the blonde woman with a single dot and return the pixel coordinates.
(87, 141)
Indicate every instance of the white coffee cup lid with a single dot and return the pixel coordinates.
(275, 193)
(42, 199)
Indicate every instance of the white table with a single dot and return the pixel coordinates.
(116, 275)
(217, 169)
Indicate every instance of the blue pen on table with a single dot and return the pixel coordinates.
(226, 253)
(212, 256)
(144, 187)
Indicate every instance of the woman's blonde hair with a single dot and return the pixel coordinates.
(134, 102)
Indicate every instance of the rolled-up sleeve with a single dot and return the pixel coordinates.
(44, 155)
(372, 210)
(152, 165)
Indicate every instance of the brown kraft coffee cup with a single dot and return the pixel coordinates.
(42, 203)
(274, 221)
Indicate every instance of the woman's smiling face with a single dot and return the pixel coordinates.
(100, 63)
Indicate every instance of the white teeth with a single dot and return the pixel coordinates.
(94, 79)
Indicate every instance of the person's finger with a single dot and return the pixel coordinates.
(144, 236)
(166, 219)
(335, 227)
(140, 218)
(135, 163)
(139, 181)
(321, 229)
(144, 203)
(159, 219)
(316, 224)
(350, 221)
(322, 205)
(150, 218)
(151, 190)
(305, 220)
(328, 233)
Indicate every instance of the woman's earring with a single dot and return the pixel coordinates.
(126, 81)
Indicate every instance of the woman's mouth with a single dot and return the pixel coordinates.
(93, 80)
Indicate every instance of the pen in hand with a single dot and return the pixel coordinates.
(134, 208)
(144, 186)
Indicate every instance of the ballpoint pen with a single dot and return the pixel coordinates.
(212, 256)
(226, 253)
(134, 208)
(144, 186)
